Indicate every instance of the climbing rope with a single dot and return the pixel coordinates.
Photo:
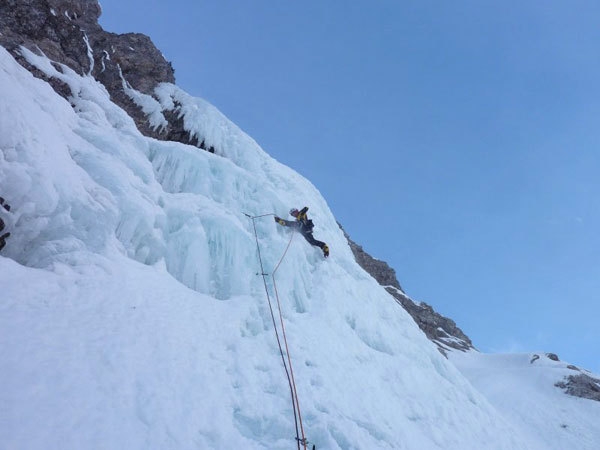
(303, 441)
(289, 373)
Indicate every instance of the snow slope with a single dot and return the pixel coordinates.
(522, 387)
(133, 315)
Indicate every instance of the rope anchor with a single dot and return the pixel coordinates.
(305, 442)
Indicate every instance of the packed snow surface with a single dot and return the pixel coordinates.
(522, 387)
(133, 314)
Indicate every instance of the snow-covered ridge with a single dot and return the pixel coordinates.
(523, 388)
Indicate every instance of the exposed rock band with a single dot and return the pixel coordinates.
(3, 236)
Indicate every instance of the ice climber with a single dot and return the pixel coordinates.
(305, 226)
(5, 235)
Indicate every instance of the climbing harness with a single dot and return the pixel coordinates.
(287, 366)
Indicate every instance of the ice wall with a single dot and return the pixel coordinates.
(94, 201)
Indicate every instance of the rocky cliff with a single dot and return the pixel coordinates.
(68, 33)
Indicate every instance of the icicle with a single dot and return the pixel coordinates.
(90, 52)
(149, 105)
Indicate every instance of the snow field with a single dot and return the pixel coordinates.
(525, 393)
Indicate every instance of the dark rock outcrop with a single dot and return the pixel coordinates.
(380, 270)
(581, 385)
(439, 329)
(68, 32)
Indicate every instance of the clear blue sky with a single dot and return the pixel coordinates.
(458, 141)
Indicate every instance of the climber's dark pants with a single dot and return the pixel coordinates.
(2, 225)
(307, 234)
(311, 240)
(3, 240)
